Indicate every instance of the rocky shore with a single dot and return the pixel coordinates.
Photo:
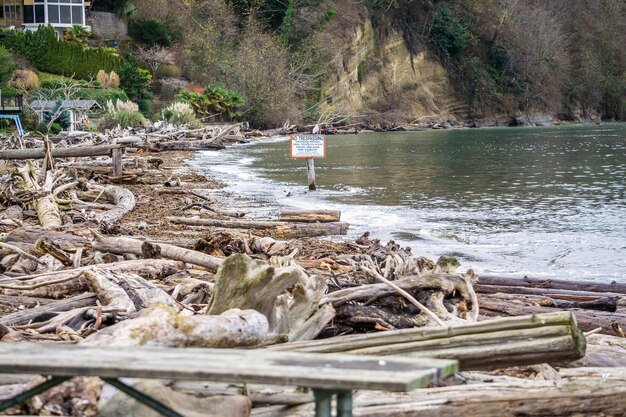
(138, 252)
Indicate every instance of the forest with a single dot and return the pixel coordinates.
(562, 58)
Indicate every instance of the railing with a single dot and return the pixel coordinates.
(12, 103)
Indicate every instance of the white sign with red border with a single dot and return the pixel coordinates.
(308, 146)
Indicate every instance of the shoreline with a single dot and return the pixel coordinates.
(272, 192)
(165, 185)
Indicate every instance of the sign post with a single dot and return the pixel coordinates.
(308, 147)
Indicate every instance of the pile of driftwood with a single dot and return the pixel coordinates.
(71, 273)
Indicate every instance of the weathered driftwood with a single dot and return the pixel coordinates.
(573, 395)
(187, 405)
(602, 351)
(125, 245)
(188, 145)
(25, 316)
(66, 241)
(69, 152)
(549, 292)
(125, 292)
(282, 230)
(45, 201)
(70, 281)
(491, 344)
(309, 216)
(161, 325)
(435, 291)
(123, 199)
(242, 282)
(494, 305)
(545, 283)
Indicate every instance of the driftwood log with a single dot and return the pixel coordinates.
(545, 338)
(449, 296)
(496, 305)
(282, 230)
(123, 199)
(69, 152)
(244, 283)
(162, 325)
(309, 216)
(125, 245)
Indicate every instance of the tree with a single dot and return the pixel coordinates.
(154, 56)
(77, 35)
(7, 66)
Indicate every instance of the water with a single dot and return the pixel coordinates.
(514, 201)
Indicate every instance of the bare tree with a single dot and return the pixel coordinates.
(155, 56)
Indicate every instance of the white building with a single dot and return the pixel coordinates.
(30, 14)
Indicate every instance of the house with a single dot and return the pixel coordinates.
(30, 14)
(78, 110)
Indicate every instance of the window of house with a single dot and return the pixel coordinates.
(40, 13)
(29, 14)
(64, 12)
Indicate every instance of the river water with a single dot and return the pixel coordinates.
(514, 201)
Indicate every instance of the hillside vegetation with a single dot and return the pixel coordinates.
(502, 56)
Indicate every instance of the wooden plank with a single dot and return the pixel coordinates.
(226, 365)
(483, 345)
(116, 155)
(69, 152)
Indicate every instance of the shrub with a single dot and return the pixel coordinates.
(63, 118)
(135, 81)
(24, 80)
(76, 35)
(42, 128)
(168, 71)
(55, 128)
(150, 32)
(215, 99)
(46, 53)
(108, 80)
(180, 114)
(7, 66)
(120, 113)
(448, 33)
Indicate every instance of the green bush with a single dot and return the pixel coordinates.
(46, 53)
(123, 118)
(124, 114)
(135, 82)
(150, 32)
(180, 114)
(7, 66)
(55, 128)
(168, 71)
(42, 128)
(216, 99)
(449, 34)
(63, 119)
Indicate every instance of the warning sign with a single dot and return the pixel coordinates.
(308, 146)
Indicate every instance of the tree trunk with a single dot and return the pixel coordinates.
(282, 230)
(125, 245)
